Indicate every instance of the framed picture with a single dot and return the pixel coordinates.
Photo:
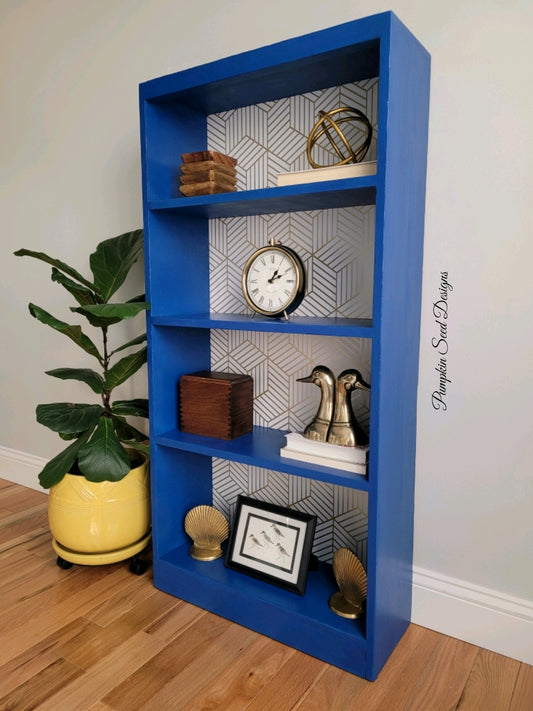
(271, 543)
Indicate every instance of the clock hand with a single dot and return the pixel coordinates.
(274, 277)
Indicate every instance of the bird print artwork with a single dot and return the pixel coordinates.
(271, 542)
(281, 549)
(255, 541)
(335, 421)
(277, 531)
(267, 537)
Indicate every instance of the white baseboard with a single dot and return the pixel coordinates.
(496, 621)
(21, 468)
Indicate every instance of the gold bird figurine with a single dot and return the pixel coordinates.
(318, 428)
(344, 429)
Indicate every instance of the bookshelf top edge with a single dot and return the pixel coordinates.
(337, 55)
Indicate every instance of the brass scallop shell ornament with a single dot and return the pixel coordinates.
(208, 528)
(351, 579)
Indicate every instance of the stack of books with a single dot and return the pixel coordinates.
(334, 172)
(206, 173)
(350, 459)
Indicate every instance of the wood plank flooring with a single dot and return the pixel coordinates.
(103, 639)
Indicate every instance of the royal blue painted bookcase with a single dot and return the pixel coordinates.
(174, 111)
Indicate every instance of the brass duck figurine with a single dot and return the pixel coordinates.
(344, 429)
(318, 428)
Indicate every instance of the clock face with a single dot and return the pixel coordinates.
(274, 280)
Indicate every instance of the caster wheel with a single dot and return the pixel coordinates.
(62, 563)
(138, 566)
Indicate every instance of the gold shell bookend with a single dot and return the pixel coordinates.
(351, 579)
(208, 528)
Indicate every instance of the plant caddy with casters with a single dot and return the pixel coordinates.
(99, 489)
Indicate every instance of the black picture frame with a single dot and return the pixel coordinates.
(271, 543)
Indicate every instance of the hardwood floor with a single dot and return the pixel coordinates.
(103, 639)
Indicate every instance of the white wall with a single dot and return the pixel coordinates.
(70, 176)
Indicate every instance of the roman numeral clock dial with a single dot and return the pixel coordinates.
(274, 280)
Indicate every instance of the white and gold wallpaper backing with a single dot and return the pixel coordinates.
(337, 247)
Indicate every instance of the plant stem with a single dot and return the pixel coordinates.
(106, 395)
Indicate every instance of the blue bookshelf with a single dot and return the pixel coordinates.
(260, 448)
(174, 111)
(289, 198)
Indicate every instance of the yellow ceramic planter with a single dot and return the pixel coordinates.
(100, 522)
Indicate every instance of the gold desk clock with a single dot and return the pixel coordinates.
(274, 280)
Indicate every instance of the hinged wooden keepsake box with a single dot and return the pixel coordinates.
(216, 404)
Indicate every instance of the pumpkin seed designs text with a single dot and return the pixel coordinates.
(440, 343)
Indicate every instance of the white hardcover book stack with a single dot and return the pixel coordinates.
(334, 172)
(351, 459)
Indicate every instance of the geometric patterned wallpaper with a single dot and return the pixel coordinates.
(271, 137)
(275, 361)
(336, 247)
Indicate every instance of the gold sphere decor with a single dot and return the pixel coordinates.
(352, 581)
(329, 124)
(208, 528)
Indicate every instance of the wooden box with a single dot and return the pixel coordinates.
(216, 404)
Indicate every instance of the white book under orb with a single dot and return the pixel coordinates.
(334, 172)
(352, 459)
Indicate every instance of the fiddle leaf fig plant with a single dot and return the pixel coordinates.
(100, 432)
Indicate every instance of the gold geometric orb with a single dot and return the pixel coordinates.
(328, 126)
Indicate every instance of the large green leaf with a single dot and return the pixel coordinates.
(113, 259)
(72, 331)
(62, 463)
(126, 432)
(140, 447)
(134, 342)
(69, 436)
(138, 298)
(96, 321)
(108, 314)
(55, 263)
(103, 458)
(82, 294)
(68, 417)
(125, 368)
(135, 408)
(93, 379)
